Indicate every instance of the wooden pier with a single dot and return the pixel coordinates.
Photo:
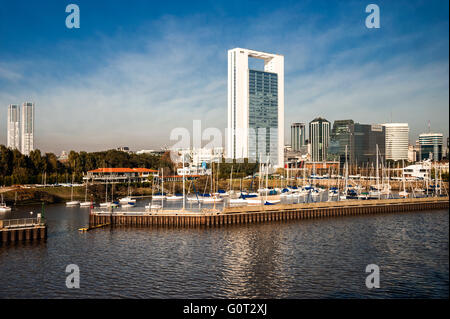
(23, 229)
(266, 213)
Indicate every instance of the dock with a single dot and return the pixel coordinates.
(264, 213)
(22, 229)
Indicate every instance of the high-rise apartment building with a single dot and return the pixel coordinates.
(431, 146)
(13, 134)
(255, 107)
(27, 128)
(298, 138)
(319, 137)
(397, 141)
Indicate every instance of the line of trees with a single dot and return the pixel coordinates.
(16, 168)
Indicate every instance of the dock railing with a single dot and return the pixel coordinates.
(21, 222)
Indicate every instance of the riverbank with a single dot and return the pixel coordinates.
(96, 192)
(53, 195)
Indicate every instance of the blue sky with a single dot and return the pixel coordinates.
(137, 69)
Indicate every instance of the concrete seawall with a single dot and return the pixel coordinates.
(268, 213)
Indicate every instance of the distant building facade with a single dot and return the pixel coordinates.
(13, 138)
(397, 141)
(298, 137)
(319, 137)
(362, 141)
(27, 128)
(431, 146)
(412, 156)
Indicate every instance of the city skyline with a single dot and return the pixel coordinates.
(99, 87)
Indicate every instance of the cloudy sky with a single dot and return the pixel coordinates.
(135, 70)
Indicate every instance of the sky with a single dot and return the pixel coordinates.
(135, 70)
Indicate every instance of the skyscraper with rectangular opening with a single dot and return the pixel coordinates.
(27, 128)
(255, 107)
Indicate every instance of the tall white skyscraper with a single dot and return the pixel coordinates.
(27, 128)
(13, 139)
(255, 107)
(397, 141)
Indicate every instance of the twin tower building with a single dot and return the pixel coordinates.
(255, 108)
(21, 127)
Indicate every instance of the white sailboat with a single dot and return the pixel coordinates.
(3, 207)
(150, 205)
(107, 204)
(128, 200)
(72, 202)
(403, 193)
(85, 203)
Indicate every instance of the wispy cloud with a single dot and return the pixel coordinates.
(138, 87)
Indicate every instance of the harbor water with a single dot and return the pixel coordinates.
(317, 258)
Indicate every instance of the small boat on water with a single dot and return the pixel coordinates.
(72, 202)
(175, 197)
(159, 196)
(86, 204)
(238, 201)
(152, 206)
(403, 194)
(109, 204)
(128, 205)
(126, 200)
(3, 207)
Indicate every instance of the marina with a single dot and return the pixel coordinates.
(262, 213)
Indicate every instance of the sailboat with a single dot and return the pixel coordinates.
(175, 196)
(72, 202)
(404, 193)
(3, 207)
(128, 201)
(150, 205)
(375, 192)
(106, 203)
(213, 198)
(85, 203)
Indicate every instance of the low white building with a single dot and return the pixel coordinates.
(122, 174)
(417, 171)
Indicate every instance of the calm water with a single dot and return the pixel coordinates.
(298, 259)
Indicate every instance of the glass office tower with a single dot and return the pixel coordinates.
(431, 146)
(263, 115)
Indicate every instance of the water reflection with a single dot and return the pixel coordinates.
(298, 259)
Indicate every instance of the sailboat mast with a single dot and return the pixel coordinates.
(184, 199)
(377, 175)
